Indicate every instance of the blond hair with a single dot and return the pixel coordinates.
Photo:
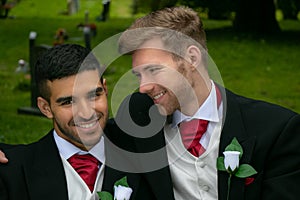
(177, 27)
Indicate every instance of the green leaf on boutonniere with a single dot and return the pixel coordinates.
(231, 160)
(122, 182)
(105, 195)
(220, 164)
(235, 146)
(122, 191)
(245, 170)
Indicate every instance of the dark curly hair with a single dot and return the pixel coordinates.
(63, 61)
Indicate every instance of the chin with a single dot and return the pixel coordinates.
(90, 142)
(165, 111)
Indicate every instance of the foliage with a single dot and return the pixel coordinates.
(290, 8)
(216, 9)
(151, 5)
(254, 66)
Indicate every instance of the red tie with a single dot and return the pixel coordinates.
(191, 133)
(87, 167)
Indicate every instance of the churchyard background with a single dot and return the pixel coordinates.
(266, 68)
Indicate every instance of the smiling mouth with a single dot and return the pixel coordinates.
(87, 125)
(159, 95)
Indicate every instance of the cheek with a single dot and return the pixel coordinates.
(170, 78)
(101, 105)
(64, 115)
(171, 84)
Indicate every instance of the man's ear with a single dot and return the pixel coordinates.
(193, 56)
(44, 107)
(105, 86)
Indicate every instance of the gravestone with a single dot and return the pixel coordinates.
(87, 31)
(87, 37)
(34, 52)
(73, 6)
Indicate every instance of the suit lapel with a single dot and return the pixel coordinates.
(45, 172)
(233, 127)
(159, 179)
(133, 114)
(110, 177)
(118, 163)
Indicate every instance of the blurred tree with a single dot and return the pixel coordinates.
(151, 5)
(289, 8)
(158, 4)
(250, 15)
(256, 16)
(216, 9)
(220, 9)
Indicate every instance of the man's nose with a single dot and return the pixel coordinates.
(146, 85)
(86, 109)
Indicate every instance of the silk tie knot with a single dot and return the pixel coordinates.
(87, 167)
(191, 133)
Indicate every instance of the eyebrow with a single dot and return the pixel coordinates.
(146, 68)
(70, 98)
(63, 99)
(97, 90)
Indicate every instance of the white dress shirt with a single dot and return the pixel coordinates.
(77, 188)
(195, 178)
(208, 111)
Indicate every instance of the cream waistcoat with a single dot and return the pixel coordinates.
(77, 188)
(193, 178)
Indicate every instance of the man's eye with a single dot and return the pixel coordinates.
(99, 91)
(154, 69)
(138, 75)
(67, 102)
(94, 95)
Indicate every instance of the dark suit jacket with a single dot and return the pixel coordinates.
(36, 172)
(269, 135)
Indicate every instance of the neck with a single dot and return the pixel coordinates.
(201, 91)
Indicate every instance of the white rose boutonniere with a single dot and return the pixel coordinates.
(122, 191)
(231, 160)
(230, 163)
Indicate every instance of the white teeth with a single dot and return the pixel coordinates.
(159, 95)
(86, 125)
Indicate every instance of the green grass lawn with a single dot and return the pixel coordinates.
(266, 68)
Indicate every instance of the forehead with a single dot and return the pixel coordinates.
(146, 57)
(153, 52)
(75, 85)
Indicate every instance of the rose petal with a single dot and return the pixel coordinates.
(231, 160)
(122, 193)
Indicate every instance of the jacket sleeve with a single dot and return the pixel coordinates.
(3, 190)
(4, 146)
(282, 171)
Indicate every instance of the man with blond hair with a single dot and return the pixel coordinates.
(169, 57)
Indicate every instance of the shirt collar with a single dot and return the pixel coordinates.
(207, 111)
(67, 149)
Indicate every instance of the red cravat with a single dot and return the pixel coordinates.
(191, 133)
(87, 167)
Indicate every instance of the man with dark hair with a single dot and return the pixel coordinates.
(74, 95)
